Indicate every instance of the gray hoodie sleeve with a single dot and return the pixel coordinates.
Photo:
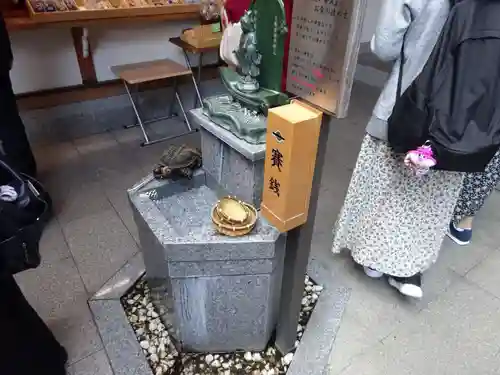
(394, 19)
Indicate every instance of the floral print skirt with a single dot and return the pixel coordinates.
(393, 221)
(476, 188)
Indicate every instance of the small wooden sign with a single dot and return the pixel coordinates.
(291, 146)
(324, 45)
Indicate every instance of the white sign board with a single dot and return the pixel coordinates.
(324, 46)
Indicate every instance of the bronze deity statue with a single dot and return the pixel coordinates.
(243, 111)
(248, 56)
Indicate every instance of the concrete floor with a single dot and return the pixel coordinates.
(454, 330)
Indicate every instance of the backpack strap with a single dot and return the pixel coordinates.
(402, 58)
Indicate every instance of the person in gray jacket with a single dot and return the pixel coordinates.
(393, 222)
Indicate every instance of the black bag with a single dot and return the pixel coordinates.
(453, 104)
(21, 221)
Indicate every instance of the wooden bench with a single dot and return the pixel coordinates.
(133, 75)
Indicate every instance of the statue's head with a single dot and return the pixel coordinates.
(247, 22)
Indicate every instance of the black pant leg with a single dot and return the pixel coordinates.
(29, 347)
(14, 143)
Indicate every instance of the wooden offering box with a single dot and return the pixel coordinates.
(72, 10)
(203, 36)
(291, 147)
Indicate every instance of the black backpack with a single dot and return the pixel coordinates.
(22, 221)
(454, 103)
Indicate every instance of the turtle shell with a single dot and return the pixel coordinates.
(179, 157)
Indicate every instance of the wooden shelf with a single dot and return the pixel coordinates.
(20, 19)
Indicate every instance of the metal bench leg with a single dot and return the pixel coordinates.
(182, 110)
(146, 137)
(188, 125)
(136, 95)
(197, 95)
(172, 100)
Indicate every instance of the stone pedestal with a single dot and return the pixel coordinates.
(219, 293)
(230, 163)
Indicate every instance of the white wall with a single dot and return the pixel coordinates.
(46, 58)
(43, 59)
(370, 22)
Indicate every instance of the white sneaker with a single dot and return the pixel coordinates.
(409, 286)
(374, 274)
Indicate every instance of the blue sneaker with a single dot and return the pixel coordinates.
(458, 235)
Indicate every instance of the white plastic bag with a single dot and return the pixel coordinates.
(230, 40)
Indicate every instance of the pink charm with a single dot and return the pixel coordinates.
(420, 160)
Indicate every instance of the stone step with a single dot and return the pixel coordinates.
(188, 212)
(221, 292)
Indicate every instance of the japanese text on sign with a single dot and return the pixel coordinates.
(318, 49)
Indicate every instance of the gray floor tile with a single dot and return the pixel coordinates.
(53, 246)
(126, 136)
(77, 333)
(455, 335)
(119, 200)
(123, 280)
(54, 155)
(95, 364)
(373, 302)
(78, 201)
(56, 292)
(110, 164)
(377, 361)
(487, 274)
(101, 245)
(60, 285)
(462, 259)
(75, 173)
(352, 340)
(95, 143)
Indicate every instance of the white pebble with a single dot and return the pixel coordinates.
(170, 364)
(299, 328)
(305, 301)
(142, 318)
(216, 363)
(227, 372)
(152, 349)
(133, 319)
(297, 343)
(287, 359)
(314, 297)
(154, 314)
(308, 288)
(248, 356)
(159, 371)
(238, 366)
(152, 327)
(271, 351)
(154, 358)
(271, 372)
(257, 357)
(140, 331)
(144, 344)
(209, 358)
(225, 365)
(317, 288)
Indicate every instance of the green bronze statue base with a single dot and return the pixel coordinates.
(229, 114)
(260, 100)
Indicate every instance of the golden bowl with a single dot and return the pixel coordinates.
(232, 210)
